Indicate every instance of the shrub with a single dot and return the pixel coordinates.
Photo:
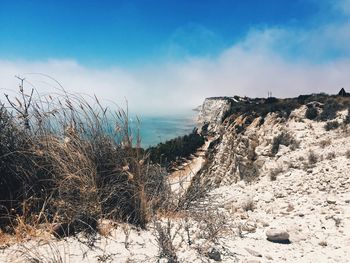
(330, 155)
(325, 143)
(330, 110)
(248, 204)
(331, 125)
(312, 158)
(282, 139)
(311, 113)
(347, 118)
(347, 154)
(274, 173)
(165, 242)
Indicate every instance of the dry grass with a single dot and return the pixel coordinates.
(165, 239)
(312, 158)
(275, 172)
(69, 161)
(248, 204)
(326, 142)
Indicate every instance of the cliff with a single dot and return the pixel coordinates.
(280, 166)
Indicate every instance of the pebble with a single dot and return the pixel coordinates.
(253, 252)
(331, 200)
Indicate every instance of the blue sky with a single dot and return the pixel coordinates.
(167, 56)
(137, 31)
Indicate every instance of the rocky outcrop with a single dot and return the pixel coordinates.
(246, 145)
(212, 112)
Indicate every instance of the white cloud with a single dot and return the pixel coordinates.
(286, 61)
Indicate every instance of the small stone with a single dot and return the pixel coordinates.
(252, 261)
(253, 252)
(267, 197)
(278, 236)
(249, 226)
(241, 184)
(301, 214)
(214, 254)
(163, 260)
(323, 243)
(331, 200)
(269, 257)
(290, 208)
(280, 194)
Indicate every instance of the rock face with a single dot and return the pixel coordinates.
(309, 199)
(211, 113)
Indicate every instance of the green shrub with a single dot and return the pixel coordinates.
(282, 139)
(311, 113)
(331, 125)
(330, 110)
(312, 158)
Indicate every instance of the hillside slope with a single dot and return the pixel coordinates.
(274, 187)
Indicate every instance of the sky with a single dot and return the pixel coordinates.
(167, 56)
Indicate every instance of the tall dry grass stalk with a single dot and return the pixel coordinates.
(68, 159)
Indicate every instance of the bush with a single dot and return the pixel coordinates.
(274, 173)
(347, 118)
(311, 113)
(330, 110)
(331, 125)
(347, 154)
(330, 156)
(282, 139)
(312, 158)
(69, 164)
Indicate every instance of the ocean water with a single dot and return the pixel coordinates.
(156, 129)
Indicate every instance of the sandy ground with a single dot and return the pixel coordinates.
(180, 180)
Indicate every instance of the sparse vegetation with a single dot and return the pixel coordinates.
(275, 172)
(283, 139)
(312, 158)
(311, 113)
(330, 110)
(325, 143)
(260, 107)
(248, 204)
(347, 117)
(330, 156)
(175, 149)
(347, 154)
(165, 242)
(331, 125)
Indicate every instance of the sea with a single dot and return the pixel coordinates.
(157, 129)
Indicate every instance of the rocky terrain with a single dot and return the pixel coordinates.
(267, 189)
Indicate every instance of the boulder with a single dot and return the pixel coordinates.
(278, 236)
(214, 254)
